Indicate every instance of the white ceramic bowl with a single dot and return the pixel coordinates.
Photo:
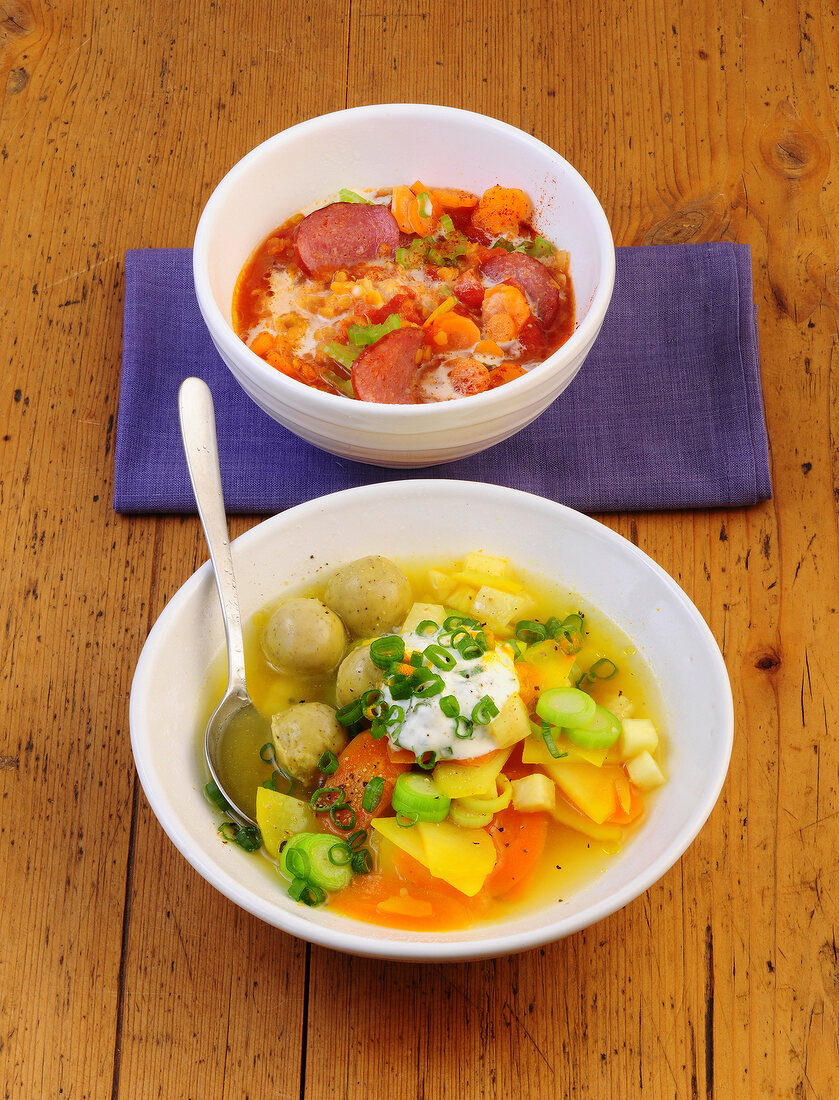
(430, 518)
(379, 146)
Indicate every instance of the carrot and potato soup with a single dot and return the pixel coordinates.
(407, 296)
(450, 743)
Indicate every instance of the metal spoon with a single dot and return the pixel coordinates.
(198, 432)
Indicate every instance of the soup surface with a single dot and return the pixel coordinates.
(450, 743)
(407, 296)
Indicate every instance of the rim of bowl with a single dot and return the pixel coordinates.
(433, 947)
(316, 400)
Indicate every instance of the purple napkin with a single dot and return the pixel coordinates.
(666, 412)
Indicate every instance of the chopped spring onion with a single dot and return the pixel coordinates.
(484, 711)
(388, 724)
(565, 706)
(427, 626)
(296, 862)
(424, 204)
(340, 854)
(328, 763)
(356, 839)
(603, 669)
(307, 894)
(427, 760)
(547, 736)
(247, 837)
(446, 225)
(361, 862)
(373, 704)
(439, 657)
(454, 621)
(347, 819)
(373, 794)
(345, 195)
(529, 631)
(429, 685)
(387, 651)
(450, 706)
(215, 796)
(320, 800)
(266, 753)
(463, 727)
(569, 634)
(363, 335)
(405, 821)
(351, 713)
(342, 353)
(420, 795)
(600, 732)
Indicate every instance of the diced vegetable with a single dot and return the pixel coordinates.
(512, 723)
(465, 781)
(553, 663)
(566, 706)
(496, 799)
(496, 607)
(409, 840)
(279, 816)
(644, 772)
(478, 578)
(591, 789)
(569, 815)
(479, 562)
(639, 734)
(461, 857)
(620, 706)
(534, 793)
(534, 751)
(420, 612)
(441, 583)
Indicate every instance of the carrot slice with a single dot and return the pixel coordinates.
(400, 206)
(461, 332)
(262, 343)
(519, 841)
(451, 198)
(504, 372)
(361, 760)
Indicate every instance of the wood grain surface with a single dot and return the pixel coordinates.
(122, 973)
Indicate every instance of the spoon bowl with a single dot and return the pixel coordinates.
(235, 715)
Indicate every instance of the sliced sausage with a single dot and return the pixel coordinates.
(343, 234)
(385, 372)
(531, 277)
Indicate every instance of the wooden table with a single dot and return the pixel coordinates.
(122, 973)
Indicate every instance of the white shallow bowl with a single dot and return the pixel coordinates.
(445, 519)
(379, 146)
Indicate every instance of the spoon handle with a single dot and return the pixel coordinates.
(198, 432)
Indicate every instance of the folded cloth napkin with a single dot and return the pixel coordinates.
(666, 412)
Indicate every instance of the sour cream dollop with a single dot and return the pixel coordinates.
(426, 728)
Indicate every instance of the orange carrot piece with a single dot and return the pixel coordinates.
(468, 376)
(519, 842)
(461, 332)
(504, 372)
(489, 347)
(635, 811)
(530, 682)
(361, 760)
(263, 342)
(450, 198)
(400, 206)
(501, 210)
